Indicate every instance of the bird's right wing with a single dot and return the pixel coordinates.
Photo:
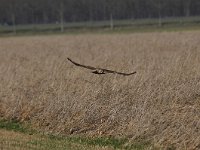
(126, 74)
(77, 64)
(121, 73)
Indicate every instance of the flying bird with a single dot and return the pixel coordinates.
(100, 70)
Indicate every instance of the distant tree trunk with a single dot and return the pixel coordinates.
(61, 17)
(187, 8)
(45, 17)
(14, 23)
(104, 11)
(158, 5)
(12, 11)
(160, 20)
(91, 15)
(159, 14)
(111, 22)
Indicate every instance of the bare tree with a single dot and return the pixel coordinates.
(13, 12)
(187, 5)
(13, 23)
(158, 5)
(61, 16)
(12, 9)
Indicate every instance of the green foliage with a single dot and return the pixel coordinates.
(121, 143)
(51, 141)
(15, 126)
(100, 141)
(11, 125)
(138, 146)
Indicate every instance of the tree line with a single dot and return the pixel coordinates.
(52, 11)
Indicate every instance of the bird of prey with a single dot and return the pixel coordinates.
(100, 70)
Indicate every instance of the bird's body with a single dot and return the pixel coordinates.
(100, 70)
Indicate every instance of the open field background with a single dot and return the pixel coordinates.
(16, 140)
(160, 104)
(129, 26)
(15, 135)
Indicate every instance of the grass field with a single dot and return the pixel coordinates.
(15, 140)
(159, 104)
(14, 135)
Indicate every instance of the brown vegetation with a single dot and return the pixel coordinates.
(160, 103)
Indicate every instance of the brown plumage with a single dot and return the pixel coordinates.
(100, 70)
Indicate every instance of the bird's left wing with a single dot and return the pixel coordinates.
(84, 66)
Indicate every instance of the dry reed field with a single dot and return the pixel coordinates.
(160, 103)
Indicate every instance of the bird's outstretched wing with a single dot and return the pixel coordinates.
(88, 67)
(120, 73)
(100, 70)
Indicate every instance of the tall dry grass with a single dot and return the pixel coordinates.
(160, 103)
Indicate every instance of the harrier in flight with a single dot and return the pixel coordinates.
(100, 70)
